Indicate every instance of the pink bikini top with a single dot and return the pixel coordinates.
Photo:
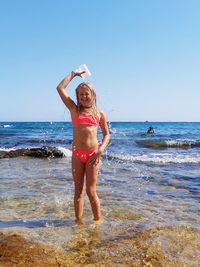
(90, 120)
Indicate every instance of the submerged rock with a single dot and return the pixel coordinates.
(40, 152)
(17, 251)
(158, 247)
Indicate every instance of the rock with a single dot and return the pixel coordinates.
(45, 152)
(13, 153)
(40, 152)
(17, 251)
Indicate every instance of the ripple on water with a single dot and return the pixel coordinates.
(38, 202)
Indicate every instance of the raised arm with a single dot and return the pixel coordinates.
(63, 84)
(62, 92)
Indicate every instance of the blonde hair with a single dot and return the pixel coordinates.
(89, 86)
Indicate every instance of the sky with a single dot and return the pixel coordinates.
(144, 57)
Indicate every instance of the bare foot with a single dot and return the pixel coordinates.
(96, 223)
(78, 223)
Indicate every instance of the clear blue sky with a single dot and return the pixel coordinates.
(144, 57)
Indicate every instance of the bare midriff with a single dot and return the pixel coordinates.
(85, 137)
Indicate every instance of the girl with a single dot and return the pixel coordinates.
(86, 150)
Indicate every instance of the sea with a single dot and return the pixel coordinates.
(148, 185)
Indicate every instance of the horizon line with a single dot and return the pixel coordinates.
(68, 121)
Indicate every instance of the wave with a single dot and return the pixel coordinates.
(61, 152)
(156, 158)
(66, 152)
(5, 125)
(37, 152)
(162, 144)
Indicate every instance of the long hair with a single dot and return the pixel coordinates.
(94, 103)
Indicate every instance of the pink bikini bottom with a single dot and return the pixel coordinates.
(83, 155)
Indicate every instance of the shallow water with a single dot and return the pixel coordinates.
(37, 201)
(149, 196)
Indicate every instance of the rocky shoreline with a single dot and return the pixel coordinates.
(38, 152)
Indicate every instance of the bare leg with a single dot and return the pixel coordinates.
(78, 169)
(91, 179)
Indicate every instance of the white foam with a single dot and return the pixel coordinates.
(160, 158)
(180, 142)
(67, 152)
(7, 125)
(8, 149)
